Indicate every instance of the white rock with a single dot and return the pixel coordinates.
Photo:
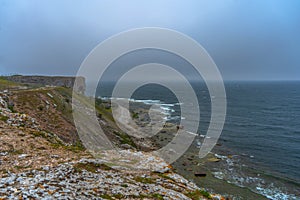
(22, 156)
(49, 95)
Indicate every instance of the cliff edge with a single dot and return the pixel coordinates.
(62, 81)
(41, 156)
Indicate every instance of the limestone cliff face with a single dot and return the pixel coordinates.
(64, 81)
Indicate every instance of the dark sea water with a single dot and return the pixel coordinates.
(263, 121)
(262, 132)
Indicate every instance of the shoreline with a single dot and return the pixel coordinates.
(188, 165)
(211, 181)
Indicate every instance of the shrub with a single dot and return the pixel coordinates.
(4, 118)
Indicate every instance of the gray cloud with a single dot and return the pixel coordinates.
(247, 39)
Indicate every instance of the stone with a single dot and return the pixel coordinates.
(50, 95)
(4, 153)
(64, 182)
(22, 156)
(125, 146)
(200, 174)
(214, 159)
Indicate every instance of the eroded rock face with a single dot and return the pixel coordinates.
(69, 82)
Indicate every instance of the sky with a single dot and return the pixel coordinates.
(247, 39)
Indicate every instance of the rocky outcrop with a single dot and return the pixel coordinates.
(63, 81)
(96, 179)
(12, 118)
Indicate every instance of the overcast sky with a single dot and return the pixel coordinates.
(247, 39)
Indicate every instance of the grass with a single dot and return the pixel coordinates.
(135, 115)
(3, 172)
(49, 137)
(21, 167)
(90, 167)
(157, 196)
(105, 113)
(144, 180)
(41, 107)
(17, 151)
(63, 102)
(197, 194)
(4, 118)
(5, 84)
(77, 147)
(60, 94)
(106, 196)
(56, 115)
(97, 105)
(125, 139)
(56, 143)
(62, 97)
(11, 108)
(124, 185)
(164, 176)
(142, 196)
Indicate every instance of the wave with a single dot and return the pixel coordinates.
(166, 108)
(256, 182)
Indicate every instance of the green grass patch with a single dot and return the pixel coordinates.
(157, 196)
(63, 102)
(164, 176)
(11, 108)
(16, 151)
(6, 84)
(38, 134)
(4, 118)
(125, 139)
(21, 167)
(112, 196)
(195, 195)
(106, 196)
(77, 147)
(124, 185)
(144, 180)
(56, 143)
(135, 115)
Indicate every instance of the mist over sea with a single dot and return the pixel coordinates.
(262, 128)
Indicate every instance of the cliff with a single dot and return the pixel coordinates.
(37, 160)
(63, 81)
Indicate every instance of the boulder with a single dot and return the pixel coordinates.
(200, 174)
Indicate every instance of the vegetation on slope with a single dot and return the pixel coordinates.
(5, 84)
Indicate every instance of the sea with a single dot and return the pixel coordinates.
(261, 132)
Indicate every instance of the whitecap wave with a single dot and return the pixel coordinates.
(166, 108)
(256, 183)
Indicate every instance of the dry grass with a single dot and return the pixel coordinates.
(29, 149)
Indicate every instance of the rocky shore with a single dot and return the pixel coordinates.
(205, 172)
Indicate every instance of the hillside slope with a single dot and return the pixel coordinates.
(41, 156)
